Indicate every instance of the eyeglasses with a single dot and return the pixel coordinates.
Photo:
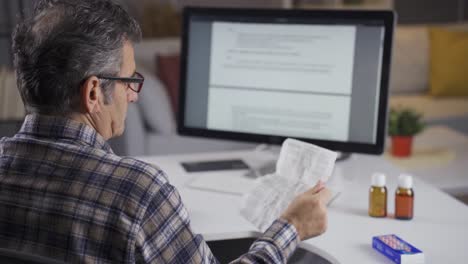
(135, 82)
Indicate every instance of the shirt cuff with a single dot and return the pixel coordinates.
(284, 236)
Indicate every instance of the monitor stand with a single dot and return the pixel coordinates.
(343, 156)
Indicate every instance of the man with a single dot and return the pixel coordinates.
(63, 193)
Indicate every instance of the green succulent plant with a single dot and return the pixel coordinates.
(404, 122)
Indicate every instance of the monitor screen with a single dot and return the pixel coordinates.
(264, 75)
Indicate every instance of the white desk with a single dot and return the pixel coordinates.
(439, 228)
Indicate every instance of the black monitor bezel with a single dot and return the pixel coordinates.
(388, 21)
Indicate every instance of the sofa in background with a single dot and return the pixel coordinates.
(410, 84)
(151, 127)
(150, 124)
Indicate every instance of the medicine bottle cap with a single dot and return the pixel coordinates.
(378, 179)
(405, 181)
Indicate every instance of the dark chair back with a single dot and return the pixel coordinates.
(19, 257)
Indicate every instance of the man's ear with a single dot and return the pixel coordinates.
(90, 95)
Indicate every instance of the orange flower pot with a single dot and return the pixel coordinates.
(401, 146)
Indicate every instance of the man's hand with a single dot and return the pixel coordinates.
(308, 211)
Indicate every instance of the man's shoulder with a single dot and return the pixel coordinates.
(133, 181)
(136, 169)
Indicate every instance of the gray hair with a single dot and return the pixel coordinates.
(62, 44)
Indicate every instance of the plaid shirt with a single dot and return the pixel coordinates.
(65, 195)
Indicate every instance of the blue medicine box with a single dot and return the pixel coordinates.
(397, 250)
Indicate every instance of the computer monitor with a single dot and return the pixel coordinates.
(263, 75)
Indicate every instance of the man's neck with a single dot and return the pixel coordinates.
(92, 122)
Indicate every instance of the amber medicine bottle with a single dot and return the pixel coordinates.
(378, 196)
(404, 198)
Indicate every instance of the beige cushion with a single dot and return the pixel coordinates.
(411, 59)
(410, 66)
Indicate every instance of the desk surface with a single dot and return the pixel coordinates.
(439, 227)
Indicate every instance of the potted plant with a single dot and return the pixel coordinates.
(404, 123)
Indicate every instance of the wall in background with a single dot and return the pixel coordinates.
(465, 11)
(409, 12)
(345, 4)
(432, 11)
(9, 16)
(5, 58)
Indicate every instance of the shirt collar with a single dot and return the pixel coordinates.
(63, 128)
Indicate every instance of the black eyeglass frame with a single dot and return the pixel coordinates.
(139, 80)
